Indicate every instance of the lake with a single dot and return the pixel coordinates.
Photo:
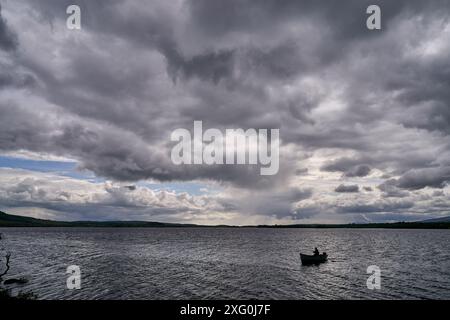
(229, 263)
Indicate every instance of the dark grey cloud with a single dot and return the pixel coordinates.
(350, 167)
(8, 40)
(345, 164)
(218, 18)
(16, 81)
(380, 206)
(347, 188)
(390, 190)
(421, 178)
(209, 67)
(358, 171)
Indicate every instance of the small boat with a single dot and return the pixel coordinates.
(313, 259)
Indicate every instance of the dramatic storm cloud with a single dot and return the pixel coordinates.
(349, 188)
(7, 38)
(364, 115)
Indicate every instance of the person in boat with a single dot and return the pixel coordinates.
(316, 252)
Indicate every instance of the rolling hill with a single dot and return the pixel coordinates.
(437, 220)
(8, 220)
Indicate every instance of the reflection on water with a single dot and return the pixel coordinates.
(245, 263)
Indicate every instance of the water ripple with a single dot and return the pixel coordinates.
(216, 263)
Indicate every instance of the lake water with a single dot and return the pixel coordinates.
(222, 263)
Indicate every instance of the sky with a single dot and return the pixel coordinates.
(364, 115)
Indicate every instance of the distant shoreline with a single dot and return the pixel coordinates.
(8, 221)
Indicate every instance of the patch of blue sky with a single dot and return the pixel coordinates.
(36, 165)
(64, 168)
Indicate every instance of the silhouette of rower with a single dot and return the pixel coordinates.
(316, 251)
